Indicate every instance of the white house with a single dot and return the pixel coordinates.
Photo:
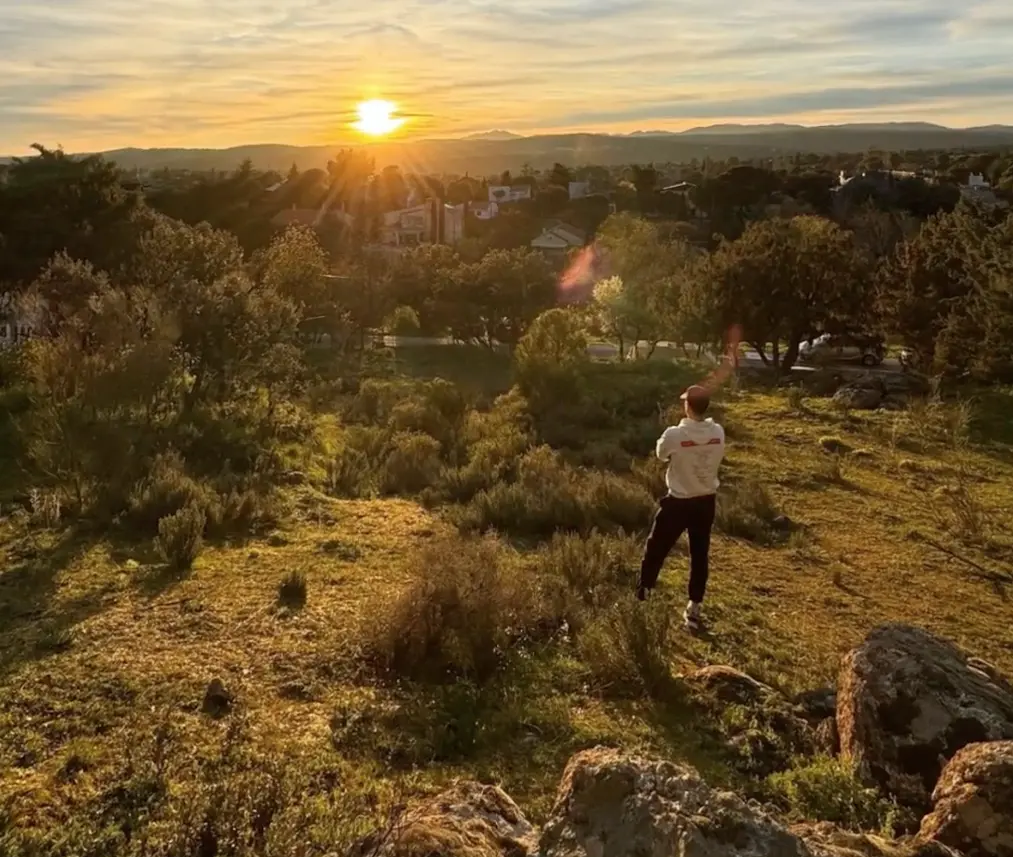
(423, 224)
(509, 193)
(559, 238)
(579, 190)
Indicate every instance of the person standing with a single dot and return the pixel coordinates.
(694, 450)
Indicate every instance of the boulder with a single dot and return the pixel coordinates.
(863, 394)
(974, 802)
(730, 685)
(907, 702)
(614, 805)
(467, 820)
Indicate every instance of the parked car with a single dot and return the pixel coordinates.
(861, 348)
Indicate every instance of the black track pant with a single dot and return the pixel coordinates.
(675, 516)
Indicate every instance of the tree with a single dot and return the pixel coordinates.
(550, 355)
(783, 281)
(642, 300)
(55, 202)
(946, 292)
(560, 175)
(496, 299)
(294, 265)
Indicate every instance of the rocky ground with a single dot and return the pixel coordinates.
(928, 725)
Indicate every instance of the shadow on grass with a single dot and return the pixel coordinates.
(29, 627)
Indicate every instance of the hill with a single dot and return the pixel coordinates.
(489, 154)
(104, 658)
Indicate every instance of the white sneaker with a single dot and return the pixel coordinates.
(693, 616)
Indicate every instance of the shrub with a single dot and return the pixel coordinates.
(166, 490)
(624, 646)
(830, 470)
(587, 574)
(292, 590)
(46, 508)
(459, 617)
(549, 496)
(404, 321)
(826, 789)
(350, 474)
(181, 536)
(746, 510)
(412, 464)
(796, 399)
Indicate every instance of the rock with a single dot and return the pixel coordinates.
(825, 840)
(974, 802)
(907, 702)
(834, 445)
(729, 685)
(613, 805)
(893, 402)
(822, 382)
(783, 522)
(862, 394)
(277, 541)
(217, 699)
(818, 704)
(827, 739)
(467, 820)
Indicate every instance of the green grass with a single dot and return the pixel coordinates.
(102, 656)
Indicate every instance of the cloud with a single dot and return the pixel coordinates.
(108, 73)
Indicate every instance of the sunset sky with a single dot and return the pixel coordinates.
(101, 74)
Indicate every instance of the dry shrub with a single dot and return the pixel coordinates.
(960, 512)
(586, 575)
(551, 496)
(412, 464)
(292, 590)
(181, 537)
(624, 646)
(746, 510)
(350, 474)
(166, 490)
(459, 618)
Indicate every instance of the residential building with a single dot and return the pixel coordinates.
(558, 239)
(979, 191)
(579, 190)
(429, 223)
(513, 193)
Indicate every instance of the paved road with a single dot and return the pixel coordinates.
(605, 350)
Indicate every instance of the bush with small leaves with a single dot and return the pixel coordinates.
(181, 536)
(350, 474)
(825, 789)
(795, 396)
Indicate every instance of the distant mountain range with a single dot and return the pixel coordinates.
(493, 151)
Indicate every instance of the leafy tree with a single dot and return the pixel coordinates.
(497, 298)
(946, 292)
(294, 265)
(55, 202)
(783, 281)
(550, 355)
(641, 300)
(560, 175)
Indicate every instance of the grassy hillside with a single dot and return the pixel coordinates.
(403, 649)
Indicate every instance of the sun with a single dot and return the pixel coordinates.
(377, 118)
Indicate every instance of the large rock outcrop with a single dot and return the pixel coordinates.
(974, 802)
(467, 820)
(614, 805)
(908, 702)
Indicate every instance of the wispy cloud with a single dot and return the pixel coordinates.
(98, 74)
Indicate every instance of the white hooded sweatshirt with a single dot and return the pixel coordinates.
(694, 450)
